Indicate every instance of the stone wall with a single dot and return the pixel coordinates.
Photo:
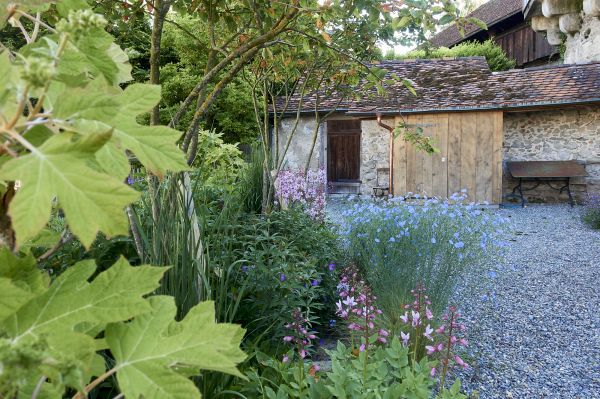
(374, 155)
(584, 45)
(555, 135)
(301, 143)
(574, 22)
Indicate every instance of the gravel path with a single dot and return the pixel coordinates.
(534, 326)
(536, 332)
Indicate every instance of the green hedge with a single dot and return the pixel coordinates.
(495, 56)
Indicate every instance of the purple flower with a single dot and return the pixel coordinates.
(314, 283)
(405, 338)
(282, 277)
(245, 269)
(331, 267)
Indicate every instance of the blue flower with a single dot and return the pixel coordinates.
(433, 241)
(377, 240)
(392, 239)
(331, 267)
(314, 283)
(331, 323)
(282, 277)
(459, 244)
(245, 269)
(492, 274)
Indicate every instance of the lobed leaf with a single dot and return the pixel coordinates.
(92, 201)
(148, 350)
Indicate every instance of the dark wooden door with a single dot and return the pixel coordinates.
(343, 150)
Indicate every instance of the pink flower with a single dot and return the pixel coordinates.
(439, 347)
(428, 313)
(303, 353)
(350, 301)
(404, 317)
(416, 318)
(430, 349)
(460, 362)
(428, 331)
(382, 340)
(433, 371)
(285, 359)
(362, 348)
(453, 339)
(383, 333)
(405, 338)
(463, 342)
(441, 329)
(287, 338)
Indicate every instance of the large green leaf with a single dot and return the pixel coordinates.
(20, 281)
(72, 300)
(57, 323)
(149, 349)
(116, 111)
(92, 201)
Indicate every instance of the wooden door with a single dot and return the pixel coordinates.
(343, 150)
(470, 156)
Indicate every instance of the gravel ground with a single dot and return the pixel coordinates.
(537, 334)
(534, 325)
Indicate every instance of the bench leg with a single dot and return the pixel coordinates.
(520, 188)
(571, 202)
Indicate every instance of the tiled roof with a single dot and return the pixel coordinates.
(491, 13)
(462, 84)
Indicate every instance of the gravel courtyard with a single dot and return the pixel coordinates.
(534, 324)
(535, 332)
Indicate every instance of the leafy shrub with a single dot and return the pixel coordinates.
(384, 373)
(399, 246)
(493, 53)
(281, 263)
(217, 164)
(591, 211)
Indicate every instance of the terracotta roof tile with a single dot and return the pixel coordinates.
(491, 13)
(467, 84)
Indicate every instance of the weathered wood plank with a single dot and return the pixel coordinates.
(429, 123)
(484, 152)
(399, 163)
(454, 152)
(468, 153)
(411, 162)
(440, 160)
(497, 156)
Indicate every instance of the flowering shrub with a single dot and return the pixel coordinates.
(399, 245)
(276, 264)
(308, 190)
(357, 306)
(591, 211)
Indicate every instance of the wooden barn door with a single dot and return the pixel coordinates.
(470, 156)
(343, 150)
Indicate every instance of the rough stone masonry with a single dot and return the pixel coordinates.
(574, 22)
(557, 135)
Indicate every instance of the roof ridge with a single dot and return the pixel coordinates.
(438, 59)
(547, 67)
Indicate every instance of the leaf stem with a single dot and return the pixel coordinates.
(94, 384)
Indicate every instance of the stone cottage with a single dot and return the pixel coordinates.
(478, 120)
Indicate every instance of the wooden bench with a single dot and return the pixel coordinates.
(544, 172)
